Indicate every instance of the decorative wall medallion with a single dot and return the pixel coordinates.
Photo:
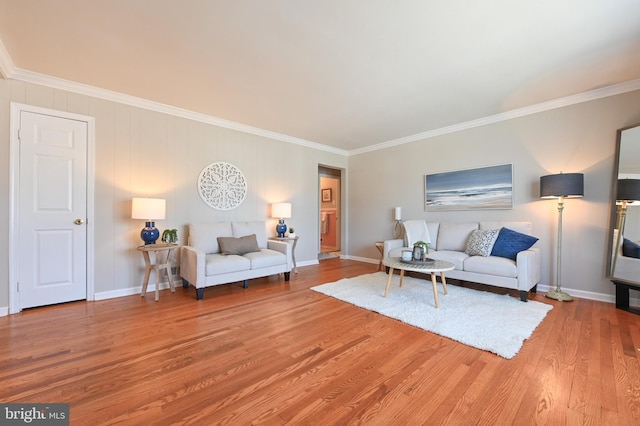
(222, 186)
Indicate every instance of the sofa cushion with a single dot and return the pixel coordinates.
(456, 257)
(509, 243)
(258, 227)
(204, 236)
(216, 264)
(630, 249)
(239, 246)
(266, 258)
(454, 236)
(492, 265)
(480, 242)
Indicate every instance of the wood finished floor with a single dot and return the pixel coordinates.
(279, 353)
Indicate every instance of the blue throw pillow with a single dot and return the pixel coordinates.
(509, 243)
(630, 249)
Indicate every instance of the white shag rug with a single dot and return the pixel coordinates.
(484, 320)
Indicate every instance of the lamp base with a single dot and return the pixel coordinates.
(281, 228)
(149, 233)
(559, 295)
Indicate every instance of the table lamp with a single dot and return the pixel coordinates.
(561, 186)
(149, 210)
(281, 211)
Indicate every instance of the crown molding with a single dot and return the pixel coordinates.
(8, 70)
(108, 95)
(603, 92)
(7, 67)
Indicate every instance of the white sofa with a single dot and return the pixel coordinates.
(203, 263)
(448, 241)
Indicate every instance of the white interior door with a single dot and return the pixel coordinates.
(52, 209)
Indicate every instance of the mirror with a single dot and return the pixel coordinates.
(626, 212)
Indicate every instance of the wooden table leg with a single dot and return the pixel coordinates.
(401, 276)
(166, 265)
(386, 292)
(147, 272)
(380, 247)
(435, 288)
(157, 268)
(444, 282)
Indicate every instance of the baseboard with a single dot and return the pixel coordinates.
(129, 291)
(4, 311)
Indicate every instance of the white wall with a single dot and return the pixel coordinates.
(145, 153)
(579, 138)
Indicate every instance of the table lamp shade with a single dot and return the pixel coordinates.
(628, 190)
(281, 210)
(149, 210)
(568, 185)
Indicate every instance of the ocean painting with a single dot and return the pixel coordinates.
(481, 188)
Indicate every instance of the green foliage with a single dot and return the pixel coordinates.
(170, 236)
(422, 244)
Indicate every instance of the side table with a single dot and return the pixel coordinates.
(294, 241)
(162, 253)
(380, 246)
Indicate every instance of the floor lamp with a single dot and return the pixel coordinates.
(561, 186)
(628, 192)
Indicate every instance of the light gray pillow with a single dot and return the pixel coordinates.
(480, 243)
(239, 246)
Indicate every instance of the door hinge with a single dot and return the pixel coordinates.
(19, 134)
(18, 286)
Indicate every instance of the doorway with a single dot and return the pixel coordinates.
(51, 241)
(330, 212)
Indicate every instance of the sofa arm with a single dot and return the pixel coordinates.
(192, 264)
(390, 245)
(283, 247)
(529, 268)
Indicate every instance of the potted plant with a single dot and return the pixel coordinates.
(420, 250)
(292, 233)
(170, 236)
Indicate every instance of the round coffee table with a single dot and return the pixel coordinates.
(440, 266)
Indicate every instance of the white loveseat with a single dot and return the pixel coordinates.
(448, 241)
(225, 252)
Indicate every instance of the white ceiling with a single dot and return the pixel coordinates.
(347, 74)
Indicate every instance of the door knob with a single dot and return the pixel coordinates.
(78, 221)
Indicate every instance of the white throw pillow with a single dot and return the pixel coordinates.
(480, 243)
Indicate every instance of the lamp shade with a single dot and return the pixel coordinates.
(628, 190)
(568, 185)
(281, 210)
(148, 208)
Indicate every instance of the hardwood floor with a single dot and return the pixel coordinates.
(279, 353)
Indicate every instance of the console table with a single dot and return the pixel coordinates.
(622, 295)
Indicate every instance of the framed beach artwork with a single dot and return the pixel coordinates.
(474, 189)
